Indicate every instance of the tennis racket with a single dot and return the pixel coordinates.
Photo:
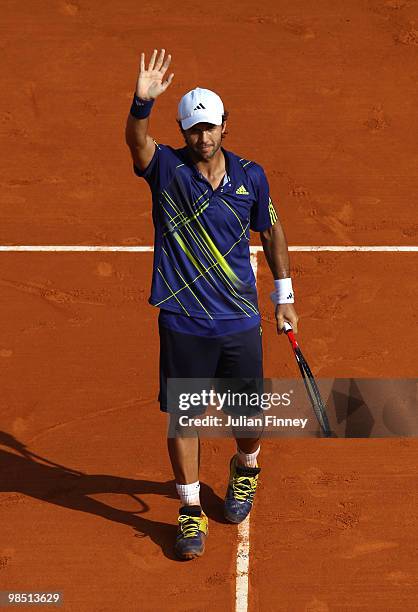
(309, 381)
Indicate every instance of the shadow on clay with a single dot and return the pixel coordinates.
(23, 471)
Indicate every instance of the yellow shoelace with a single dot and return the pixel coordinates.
(189, 525)
(244, 487)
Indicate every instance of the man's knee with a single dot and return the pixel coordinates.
(180, 426)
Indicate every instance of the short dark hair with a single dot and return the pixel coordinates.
(224, 118)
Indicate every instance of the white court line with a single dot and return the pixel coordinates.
(380, 249)
(254, 263)
(243, 562)
(243, 546)
(149, 249)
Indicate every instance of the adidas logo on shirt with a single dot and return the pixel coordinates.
(199, 106)
(242, 191)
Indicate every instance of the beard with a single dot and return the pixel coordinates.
(207, 154)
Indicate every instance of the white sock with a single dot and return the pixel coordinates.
(189, 493)
(249, 460)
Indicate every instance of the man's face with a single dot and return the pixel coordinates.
(204, 140)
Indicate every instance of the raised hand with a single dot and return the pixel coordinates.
(150, 82)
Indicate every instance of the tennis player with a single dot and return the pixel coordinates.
(205, 201)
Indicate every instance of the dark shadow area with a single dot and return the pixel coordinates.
(351, 410)
(22, 471)
(373, 408)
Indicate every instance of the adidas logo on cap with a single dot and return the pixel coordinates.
(199, 106)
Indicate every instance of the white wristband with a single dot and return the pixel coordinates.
(283, 293)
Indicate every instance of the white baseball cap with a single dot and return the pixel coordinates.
(200, 106)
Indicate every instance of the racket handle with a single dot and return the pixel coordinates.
(288, 330)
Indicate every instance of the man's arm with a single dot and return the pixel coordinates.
(276, 252)
(149, 86)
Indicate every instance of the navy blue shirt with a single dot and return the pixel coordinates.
(201, 249)
(210, 328)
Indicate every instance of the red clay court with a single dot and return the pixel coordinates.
(323, 96)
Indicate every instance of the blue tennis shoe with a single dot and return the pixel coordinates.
(241, 490)
(191, 533)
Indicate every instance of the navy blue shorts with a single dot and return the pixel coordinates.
(238, 356)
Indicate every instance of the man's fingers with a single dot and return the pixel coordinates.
(279, 320)
(279, 325)
(152, 60)
(159, 64)
(293, 320)
(166, 65)
(160, 60)
(167, 82)
(286, 313)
